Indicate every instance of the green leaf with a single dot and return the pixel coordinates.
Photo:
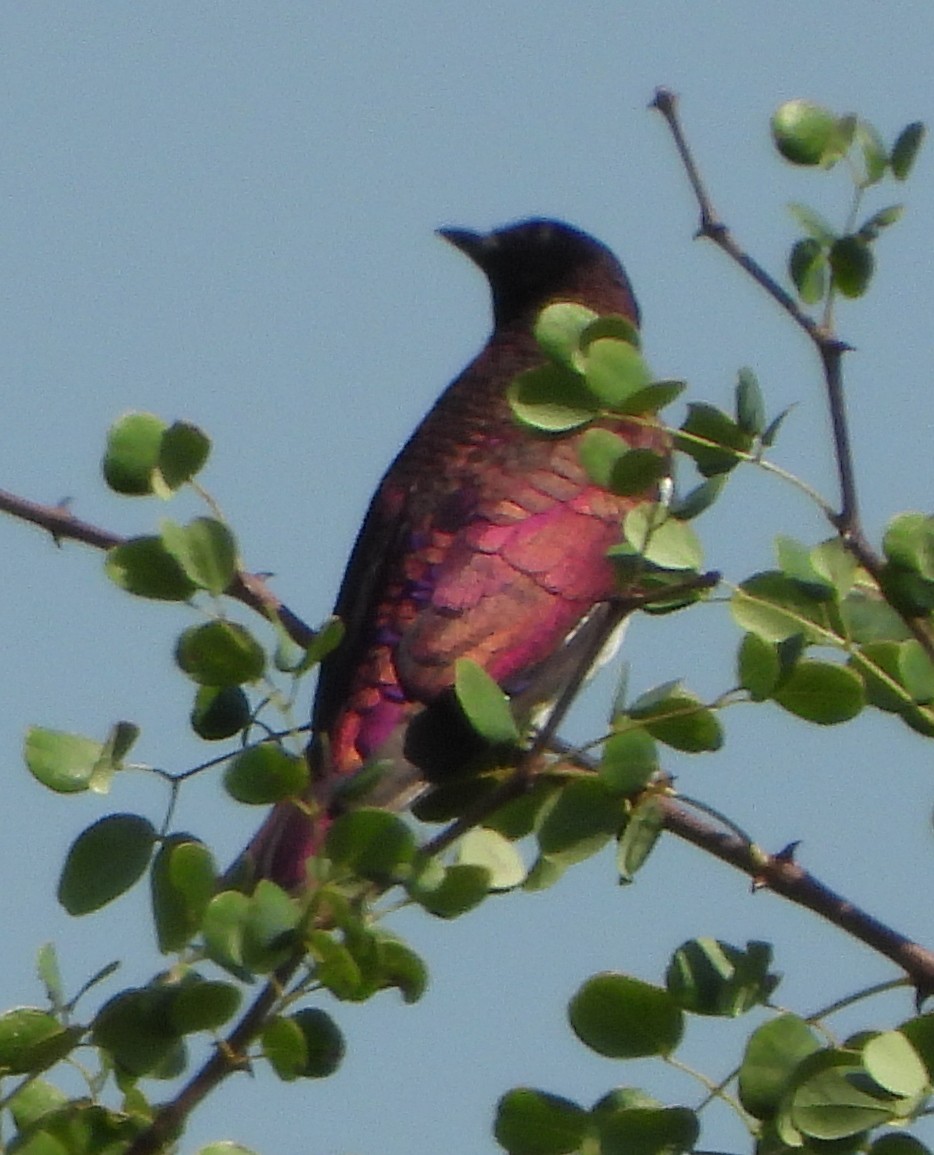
(551, 400)
(895, 1065)
(807, 268)
(599, 450)
(530, 1122)
(269, 928)
(495, 854)
(796, 563)
(62, 762)
(898, 1144)
(650, 399)
(144, 567)
(220, 654)
(771, 432)
(205, 549)
(49, 974)
(401, 967)
(776, 607)
(219, 712)
(720, 436)
(584, 817)
(813, 223)
(136, 1028)
(629, 760)
(328, 637)
(33, 1100)
(664, 541)
(750, 406)
(484, 703)
(183, 880)
(648, 1131)
(223, 928)
(872, 226)
(611, 325)
(906, 148)
(453, 891)
(875, 158)
(851, 263)
(183, 450)
(698, 499)
(558, 330)
(372, 843)
(105, 861)
(639, 837)
(758, 667)
(804, 133)
(264, 774)
(625, 1018)
(32, 1040)
(615, 371)
(709, 977)
(821, 692)
(204, 1005)
(637, 471)
(833, 1098)
(909, 543)
(677, 717)
(772, 1055)
(132, 453)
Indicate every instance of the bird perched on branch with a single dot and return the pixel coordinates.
(485, 540)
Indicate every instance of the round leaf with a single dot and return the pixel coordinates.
(104, 861)
(132, 453)
(551, 399)
(615, 370)
(219, 712)
(495, 854)
(558, 330)
(373, 843)
(803, 132)
(183, 880)
(821, 692)
(852, 263)
(144, 567)
(306, 1045)
(625, 1018)
(220, 654)
(532, 1122)
(265, 774)
(204, 1006)
(32, 1040)
(205, 549)
(585, 815)
(62, 762)
(772, 1054)
(629, 760)
(484, 703)
(183, 450)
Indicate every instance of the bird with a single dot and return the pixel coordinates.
(484, 540)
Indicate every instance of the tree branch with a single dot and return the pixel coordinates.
(60, 522)
(830, 349)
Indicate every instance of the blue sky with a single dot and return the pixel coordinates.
(225, 212)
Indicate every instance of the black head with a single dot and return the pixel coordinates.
(531, 263)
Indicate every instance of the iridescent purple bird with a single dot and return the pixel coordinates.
(484, 540)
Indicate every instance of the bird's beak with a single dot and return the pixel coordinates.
(474, 245)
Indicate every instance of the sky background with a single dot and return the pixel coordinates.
(224, 212)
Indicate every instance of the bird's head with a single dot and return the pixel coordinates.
(532, 263)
